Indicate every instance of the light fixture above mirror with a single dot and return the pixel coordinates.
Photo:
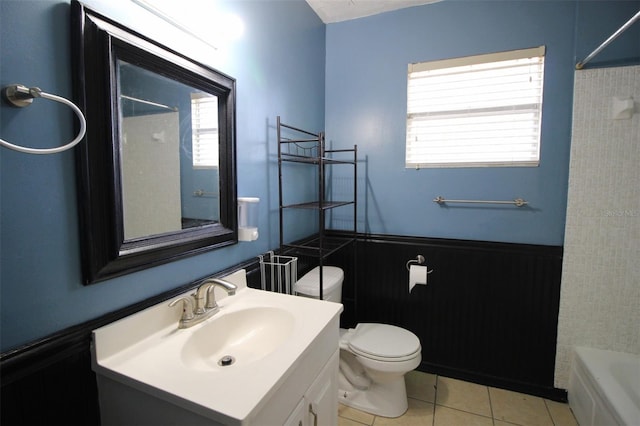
(216, 28)
(165, 15)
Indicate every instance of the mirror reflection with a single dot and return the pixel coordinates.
(169, 153)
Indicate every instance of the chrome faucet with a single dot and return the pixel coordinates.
(205, 302)
(206, 298)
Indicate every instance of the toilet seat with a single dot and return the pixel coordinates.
(382, 342)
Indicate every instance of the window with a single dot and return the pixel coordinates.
(204, 128)
(475, 111)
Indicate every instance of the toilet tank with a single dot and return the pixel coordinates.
(309, 284)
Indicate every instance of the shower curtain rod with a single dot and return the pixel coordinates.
(142, 101)
(622, 29)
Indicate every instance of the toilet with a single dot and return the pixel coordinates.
(373, 357)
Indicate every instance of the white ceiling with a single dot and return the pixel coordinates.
(343, 10)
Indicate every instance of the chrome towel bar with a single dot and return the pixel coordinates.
(203, 193)
(518, 201)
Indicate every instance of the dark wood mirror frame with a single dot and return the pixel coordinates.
(97, 44)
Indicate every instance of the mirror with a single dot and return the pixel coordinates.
(156, 175)
(182, 135)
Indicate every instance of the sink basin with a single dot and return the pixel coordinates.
(273, 339)
(236, 338)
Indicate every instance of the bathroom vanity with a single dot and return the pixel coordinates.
(264, 359)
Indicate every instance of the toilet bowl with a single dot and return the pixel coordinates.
(374, 358)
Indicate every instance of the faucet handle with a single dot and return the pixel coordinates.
(230, 288)
(211, 299)
(187, 307)
(201, 296)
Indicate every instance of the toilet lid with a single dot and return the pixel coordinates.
(384, 341)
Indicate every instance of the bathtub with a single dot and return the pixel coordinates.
(604, 387)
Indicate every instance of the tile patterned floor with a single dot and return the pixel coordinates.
(441, 401)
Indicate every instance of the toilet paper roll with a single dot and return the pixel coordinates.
(417, 276)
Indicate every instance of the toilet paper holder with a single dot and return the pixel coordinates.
(419, 260)
(418, 272)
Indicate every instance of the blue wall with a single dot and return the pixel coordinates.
(279, 66)
(366, 103)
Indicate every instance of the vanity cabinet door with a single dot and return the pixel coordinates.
(298, 416)
(321, 399)
(319, 404)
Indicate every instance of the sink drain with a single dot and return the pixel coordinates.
(226, 360)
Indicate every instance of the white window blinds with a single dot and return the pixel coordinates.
(476, 111)
(204, 128)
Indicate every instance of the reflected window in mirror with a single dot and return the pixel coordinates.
(204, 128)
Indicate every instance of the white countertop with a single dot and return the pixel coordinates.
(144, 351)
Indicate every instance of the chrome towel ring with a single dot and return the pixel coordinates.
(22, 96)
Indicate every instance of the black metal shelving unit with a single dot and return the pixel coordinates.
(302, 146)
